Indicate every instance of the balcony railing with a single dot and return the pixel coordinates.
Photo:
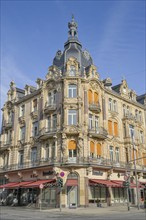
(49, 107)
(98, 132)
(44, 133)
(67, 161)
(95, 107)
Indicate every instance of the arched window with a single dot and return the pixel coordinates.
(90, 97)
(110, 127)
(91, 149)
(98, 150)
(115, 128)
(95, 97)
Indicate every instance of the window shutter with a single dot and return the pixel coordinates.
(90, 96)
(110, 127)
(95, 97)
(72, 145)
(144, 159)
(98, 149)
(91, 147)
(116, 128)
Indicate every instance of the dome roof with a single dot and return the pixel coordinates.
(73, 48)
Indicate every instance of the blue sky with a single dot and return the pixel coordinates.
(112, 31)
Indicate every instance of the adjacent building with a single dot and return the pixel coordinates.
(76, 127)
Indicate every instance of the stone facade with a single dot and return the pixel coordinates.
(76, 124)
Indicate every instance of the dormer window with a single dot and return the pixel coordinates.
(72, 71)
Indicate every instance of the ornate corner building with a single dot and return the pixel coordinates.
(73, 125)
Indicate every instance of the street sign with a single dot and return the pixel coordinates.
(62, 174)
(41, 186)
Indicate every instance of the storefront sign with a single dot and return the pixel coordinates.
(47, 173)
(97, 173)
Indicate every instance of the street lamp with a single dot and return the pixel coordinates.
(135, 170)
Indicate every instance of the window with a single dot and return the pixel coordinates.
(111, 153)
(141, 137)
(117, 155)
(96, 123)
(124, 110)
(50, 98)
(140, 116)
(72, 117)
(110, 104)
(91, 149)
(72, 91)
(126, 155)
(53, 150)
(6, 160)
(128, 111)
(110, 127)
(72, 148)
(22, 133)
(33, 154)
(131, 131)
(47, 151)
(49, 124)
(115, 106)
(22, 110)
(21, 158)
(35, 129)
(72, 71)
(90, 121)
(35, 105)
(90, 97)
(54, 97)
(124, 130)
(54, 122)
(115, 128)
(95, 97)
(136, 114)
(98, 150)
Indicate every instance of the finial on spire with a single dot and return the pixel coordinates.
(72, 28)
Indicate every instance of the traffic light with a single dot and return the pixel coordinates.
(60, 181)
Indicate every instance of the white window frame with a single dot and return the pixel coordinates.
(72, 117)
(72, 91)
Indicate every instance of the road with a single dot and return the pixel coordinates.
(14, 213)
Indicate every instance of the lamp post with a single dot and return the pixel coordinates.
(135, 170)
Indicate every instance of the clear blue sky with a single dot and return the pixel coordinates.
(112, 31)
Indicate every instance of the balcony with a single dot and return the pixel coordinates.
(49, 107)
(4, 145)
(72, 129)
(45, 133)
(21, 120)
(100, 133)
(34, 114)
(8, 124)
(95, 107)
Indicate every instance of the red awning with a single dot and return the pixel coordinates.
(72, 182)
(8, 185)
(22, 184)
(38, 183)
(103, 182)
(132, 185)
